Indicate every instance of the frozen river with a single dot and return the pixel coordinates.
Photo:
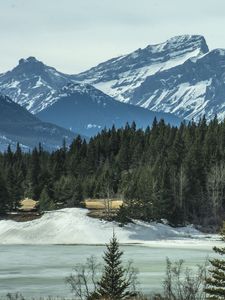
(41, 270)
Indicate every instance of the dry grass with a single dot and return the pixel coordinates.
(103, 203)
(28, 204)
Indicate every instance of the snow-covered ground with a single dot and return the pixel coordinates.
(73, 226)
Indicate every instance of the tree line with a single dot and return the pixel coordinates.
(162, 172)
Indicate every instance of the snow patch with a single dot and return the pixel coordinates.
(90, 126)
(128, 81)
(73, 226)
(182, 99)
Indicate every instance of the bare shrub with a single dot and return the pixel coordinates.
(183, 283)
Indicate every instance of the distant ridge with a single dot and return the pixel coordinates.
(18, 125)
(84, 109)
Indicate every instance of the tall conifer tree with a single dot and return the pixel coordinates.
(216, 282)
(113, 284)
(3, 196)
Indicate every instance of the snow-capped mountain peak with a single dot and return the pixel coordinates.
(31, 60)
(190, 90)
(29, 82)
(179, 45)
(180, 76)
(32, 68)
(119, 77)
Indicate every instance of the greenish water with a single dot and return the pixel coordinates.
(41, 270)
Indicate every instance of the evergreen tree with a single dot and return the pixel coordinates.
(18, 153)
(12, 190)
(45, 202)
(9, 155)
(34, 172)
(113, 284)
(3, 196)
(216, 283)
(78, 192)
(77, 195)
(122, 216)
(64, 190)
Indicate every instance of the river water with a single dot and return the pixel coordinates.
(40, 270)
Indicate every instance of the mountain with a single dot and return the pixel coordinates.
(120, 77)
(180, 76)
(190, 90)
(29, 83)
(87, 110)
(18, 125)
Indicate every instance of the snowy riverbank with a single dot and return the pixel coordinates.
(73, 226)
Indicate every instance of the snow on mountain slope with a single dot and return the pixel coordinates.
(190, 90)
(29, 82)
(71, 89)
(119, 77)
(87, 110)
(5, 142)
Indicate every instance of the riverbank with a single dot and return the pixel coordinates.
(74, 226)
(21, 216)
(95, 213)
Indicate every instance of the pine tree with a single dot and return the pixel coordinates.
(12, 189)
(216, 283)
(33, 191)
(45, 202)
(63, 190)
(3, 196)
(77, 194)
(113, 284)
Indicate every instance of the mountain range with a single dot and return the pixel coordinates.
(175, 80)
(59, 98)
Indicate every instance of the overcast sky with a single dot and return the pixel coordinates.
(73, 35)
